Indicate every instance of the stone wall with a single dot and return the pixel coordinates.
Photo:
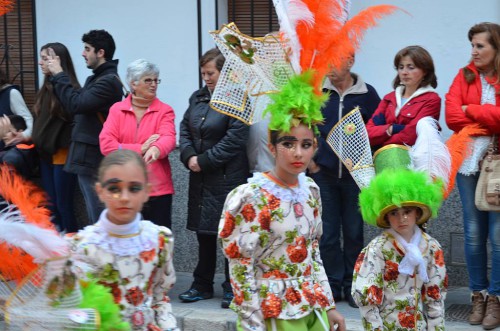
(447, 229)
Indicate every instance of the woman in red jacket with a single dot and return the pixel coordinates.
(414, 97)
(144, 124)
(473, 113)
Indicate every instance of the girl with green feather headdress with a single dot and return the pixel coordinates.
(270, 227)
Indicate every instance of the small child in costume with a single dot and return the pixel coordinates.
(38, 289)
(20, 156)
(400, 278)
(131, 256)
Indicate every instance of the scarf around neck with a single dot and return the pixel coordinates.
(413, 257)
(141, 102)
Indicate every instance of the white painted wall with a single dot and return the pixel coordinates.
(165, 32)
(440, 26)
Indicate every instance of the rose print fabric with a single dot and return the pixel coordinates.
(270, 235)
(389, 300)
(139, 282)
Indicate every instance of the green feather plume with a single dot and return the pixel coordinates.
(99, 297)
(396, 187)
(296, 104)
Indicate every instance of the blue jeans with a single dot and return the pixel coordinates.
(93, 204)
(478, 227)
(339, 198)
(60, 187)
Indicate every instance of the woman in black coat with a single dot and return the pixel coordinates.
(212, 147)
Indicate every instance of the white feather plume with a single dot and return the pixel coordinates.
(429, 153)
(41, 244)
(346, 9)
(289, 13)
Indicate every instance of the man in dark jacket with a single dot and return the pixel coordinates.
(89, 106)
(339, 192)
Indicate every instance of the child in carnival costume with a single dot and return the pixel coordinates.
(38, 288)
(400, 277)
(270, 227)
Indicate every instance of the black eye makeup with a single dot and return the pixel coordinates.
(115, 186)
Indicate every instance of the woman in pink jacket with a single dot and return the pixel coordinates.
(395, 119)
(144, 124)
(473, 113)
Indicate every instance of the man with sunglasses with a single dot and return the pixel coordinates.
(89, 105)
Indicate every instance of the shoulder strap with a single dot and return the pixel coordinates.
(125, 93)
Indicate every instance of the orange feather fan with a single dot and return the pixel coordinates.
(6, 6)
(30, 201)
(331, 40)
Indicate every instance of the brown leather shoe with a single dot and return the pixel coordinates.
(492, 317)
(478, 307)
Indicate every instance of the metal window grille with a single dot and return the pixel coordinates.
(255, 18)
(18, 55)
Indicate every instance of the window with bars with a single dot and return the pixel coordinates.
(255, 18)
(18, 55)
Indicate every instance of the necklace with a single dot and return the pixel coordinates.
(124, 236)
(273, 176)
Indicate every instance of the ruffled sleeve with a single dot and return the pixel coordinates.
(163, 281)
(434, 292)
(319, 269)
(239, 241)
(367, 287)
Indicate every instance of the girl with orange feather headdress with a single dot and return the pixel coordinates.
(282, 77)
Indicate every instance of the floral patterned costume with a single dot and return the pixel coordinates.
(387, 298)
(270, 235)
(138, 268)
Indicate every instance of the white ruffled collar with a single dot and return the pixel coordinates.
(122, 240)
(298, 193)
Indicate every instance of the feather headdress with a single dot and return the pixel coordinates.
(333, 38)
(421, 183)
(20, 202)
(429, 153)
(314, 35)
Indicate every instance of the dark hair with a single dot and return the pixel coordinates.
(4, 79)
(422, 60)
(17, 122)
(121, 157)
(494, 40)
(45, 96)
(101, 39)
(213, 55)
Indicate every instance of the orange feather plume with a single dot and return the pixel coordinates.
(457, 145)
(331, 41)
(30, 201)
(6, 6)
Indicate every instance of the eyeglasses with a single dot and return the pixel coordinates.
(150, 81)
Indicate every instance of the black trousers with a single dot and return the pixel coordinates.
(159, 210)
(207, 262)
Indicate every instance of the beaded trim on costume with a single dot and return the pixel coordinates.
(299, 193)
